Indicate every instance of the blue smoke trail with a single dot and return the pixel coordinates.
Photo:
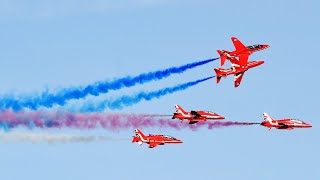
(61, 97)
(125, 101)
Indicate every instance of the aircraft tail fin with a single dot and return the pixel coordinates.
(180, 110)
(218, 74)
(218, 79)
(140, 137)
(266, 117)
(223, 57)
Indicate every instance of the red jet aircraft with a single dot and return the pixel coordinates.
(286, 124)
(153, 140)
(194, 116)
(241, 51)
(238, 69)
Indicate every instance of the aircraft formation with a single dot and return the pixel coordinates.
(239, 60)
(26, 111)
(239, 65)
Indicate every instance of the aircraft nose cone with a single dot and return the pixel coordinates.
(263, 123)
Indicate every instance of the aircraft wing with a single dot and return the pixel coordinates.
(154, 144)
(237, 44)
(195, 114)
(243, 59)
(284, 126)
(192, 122)
(238, 78)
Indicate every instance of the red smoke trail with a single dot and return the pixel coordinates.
(112, 122)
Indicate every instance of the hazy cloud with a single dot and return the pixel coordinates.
(49, 8)
(51, 138)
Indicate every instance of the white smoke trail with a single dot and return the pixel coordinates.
(51, 138)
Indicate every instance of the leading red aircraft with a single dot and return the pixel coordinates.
(154, 140)
(241, 51)
(286, 124)
(238, 69)
(194, 116)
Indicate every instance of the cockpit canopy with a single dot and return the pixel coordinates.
(169, 137)
(200, 111)
(254, 46)
(296, 120)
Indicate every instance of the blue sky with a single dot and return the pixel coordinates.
(54, 44)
